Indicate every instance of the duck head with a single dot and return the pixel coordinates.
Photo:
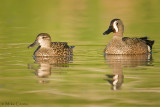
(116, 26)
(43, 39)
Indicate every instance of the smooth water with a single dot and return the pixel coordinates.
(88, 79)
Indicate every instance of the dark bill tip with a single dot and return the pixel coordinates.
(108, 31)
(104, 33)
(33, 44)
(29, 46)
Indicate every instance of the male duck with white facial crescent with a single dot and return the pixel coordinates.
(125, 45)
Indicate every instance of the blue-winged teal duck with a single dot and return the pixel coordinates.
(48, 48)
(125, 45)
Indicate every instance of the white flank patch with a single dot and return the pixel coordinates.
(149, 49)
(115, 26)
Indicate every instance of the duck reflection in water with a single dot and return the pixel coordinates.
(118, 62)
(47, 64)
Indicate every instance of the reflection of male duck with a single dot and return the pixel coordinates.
(47, 63)
(118, 62)
(115, 79)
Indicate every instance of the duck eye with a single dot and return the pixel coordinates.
(44, 37)
(117, 23)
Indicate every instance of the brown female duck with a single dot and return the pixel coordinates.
(48, 48)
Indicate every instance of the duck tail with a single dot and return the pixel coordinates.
(72, 46)
(148, 42)
(144, 38)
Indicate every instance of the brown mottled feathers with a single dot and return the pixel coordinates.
(56, 49)
(61, 48)
(131, 41)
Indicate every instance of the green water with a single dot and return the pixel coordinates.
(85, 80)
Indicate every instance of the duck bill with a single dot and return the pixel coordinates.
(108, 31)
(33, 44)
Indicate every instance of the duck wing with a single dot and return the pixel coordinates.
(62, 48)
(59, 45)
(131, 41)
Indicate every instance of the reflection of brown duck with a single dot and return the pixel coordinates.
(56, 61)
(44, 71)
(47, 63)
(118, 62)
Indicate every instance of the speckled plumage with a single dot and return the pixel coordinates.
(48, 48)
(125, 45)
(56, 49)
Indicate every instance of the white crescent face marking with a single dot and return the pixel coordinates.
(115, 26)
